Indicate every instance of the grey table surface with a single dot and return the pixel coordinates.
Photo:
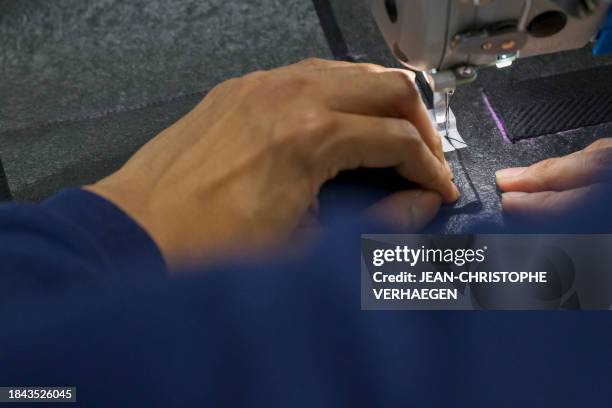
(65, 60)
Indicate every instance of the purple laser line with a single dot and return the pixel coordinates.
(498, 121)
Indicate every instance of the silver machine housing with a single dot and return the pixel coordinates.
(451, 39)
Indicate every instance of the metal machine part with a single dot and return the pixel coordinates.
(450, 40)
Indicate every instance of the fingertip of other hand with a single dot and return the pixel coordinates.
(505, 177)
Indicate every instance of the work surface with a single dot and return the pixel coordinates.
(85, 83)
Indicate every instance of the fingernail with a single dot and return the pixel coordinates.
(457, 192)
(510, 173)
(514, 194)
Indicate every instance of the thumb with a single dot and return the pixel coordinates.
(408, 211)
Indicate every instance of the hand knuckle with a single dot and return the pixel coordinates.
(293, 84)
(405, 87)
(317, 122)
(252, 83)
(305, 123)
(313, 61)
(228, 84)
(403, 92)
(302, 133)
(368, 67)
(274, 92)
(437, 142)
(412, 92)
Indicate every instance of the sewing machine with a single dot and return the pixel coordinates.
(450, 40)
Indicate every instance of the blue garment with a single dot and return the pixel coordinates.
(603, 45)
(86, 302)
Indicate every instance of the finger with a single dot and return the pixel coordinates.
(368, 68)
(408, 211)
(347, 68)
(564, 173)
(384, 92)
(552, 203)
(375, 142)
(600, 144)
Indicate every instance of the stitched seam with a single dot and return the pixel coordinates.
(104, 113)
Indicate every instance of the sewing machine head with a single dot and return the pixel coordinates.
(451, 39)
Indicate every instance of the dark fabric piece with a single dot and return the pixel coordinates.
(544, 106)
(105, 141)
(288, 333)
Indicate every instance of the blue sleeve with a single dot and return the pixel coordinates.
(291, 333)
(76, 241)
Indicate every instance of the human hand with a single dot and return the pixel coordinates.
(243, 168)
(558, 186)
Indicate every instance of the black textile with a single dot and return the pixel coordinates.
(61, 60)
(544, 106)
(54, 163)
(487, 150)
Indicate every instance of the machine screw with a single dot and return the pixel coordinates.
(466, 71)
(508, 45)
